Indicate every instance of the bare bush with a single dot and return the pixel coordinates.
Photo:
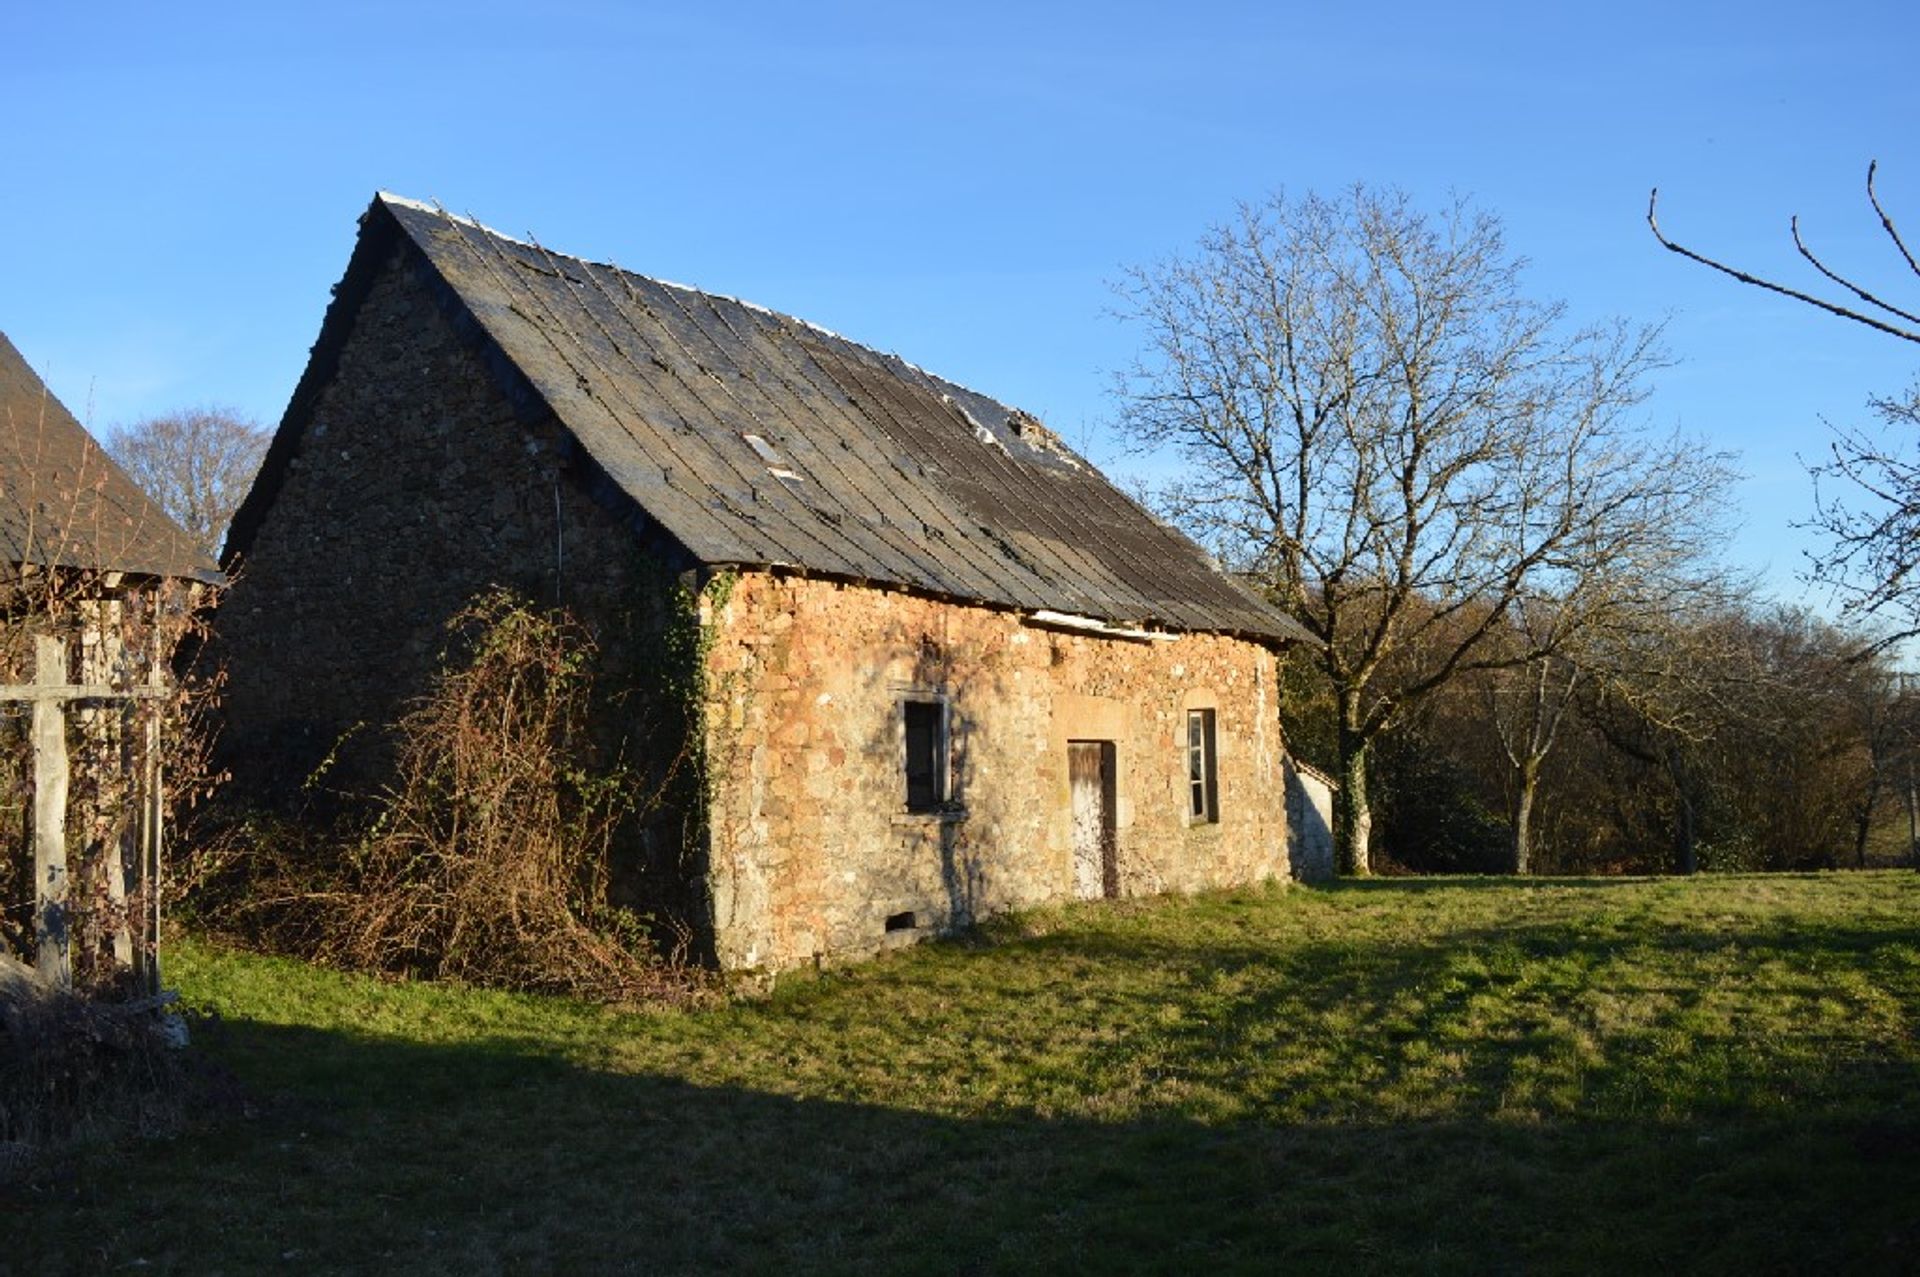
(487, 858)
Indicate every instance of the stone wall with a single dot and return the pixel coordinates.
(414, 489)
(812, 849)
(1309, 822)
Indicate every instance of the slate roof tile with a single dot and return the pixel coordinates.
(758, 440)
(63, 500)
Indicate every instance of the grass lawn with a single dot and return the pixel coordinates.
(1453, 1075)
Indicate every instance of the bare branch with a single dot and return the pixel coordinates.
(1887, 222)
(1819, 303)
(197, 463)
(1793, 225)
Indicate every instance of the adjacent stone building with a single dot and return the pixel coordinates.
(65, 505)
(929, 664)
(97, 586)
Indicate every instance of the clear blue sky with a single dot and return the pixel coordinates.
(957, 183)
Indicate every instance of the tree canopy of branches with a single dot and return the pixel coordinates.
(1744, 736)
(1410, 452)
(1867, 490)
(197, 464)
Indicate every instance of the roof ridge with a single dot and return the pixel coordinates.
(436, 209)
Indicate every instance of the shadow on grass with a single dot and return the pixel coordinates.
(1398, 884)
(379, 1155)
(1632, 1016)
(1417, 884)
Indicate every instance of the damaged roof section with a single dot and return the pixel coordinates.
(65, 503)
(756, 439)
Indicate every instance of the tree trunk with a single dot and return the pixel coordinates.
(1351, 820)
(1913, 819)
(1522, 814)
(1685, 859)
(1863, 818)
(1685, 863)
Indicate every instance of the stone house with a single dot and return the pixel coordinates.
(942, 667)
(97, 584)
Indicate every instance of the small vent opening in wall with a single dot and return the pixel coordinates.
(901, 921)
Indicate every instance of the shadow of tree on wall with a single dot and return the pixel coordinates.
(966, 688)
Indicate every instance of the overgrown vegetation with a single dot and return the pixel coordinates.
(110, 749)
(487, 858)
(1463, 1075)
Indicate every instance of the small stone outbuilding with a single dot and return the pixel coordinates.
(940, 667)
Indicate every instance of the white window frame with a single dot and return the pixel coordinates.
(1201, 753)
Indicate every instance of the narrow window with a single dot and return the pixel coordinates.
(1202, 785)
(926, 763)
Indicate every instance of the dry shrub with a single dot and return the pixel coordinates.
(487, 858)
(76, 1070)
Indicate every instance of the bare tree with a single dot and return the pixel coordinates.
(197, 463)
(1380, 423)
(1528, 706)
(1873, 519)
(1867, 503)
(1663, 693)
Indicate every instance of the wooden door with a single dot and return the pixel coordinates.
(1090, 777)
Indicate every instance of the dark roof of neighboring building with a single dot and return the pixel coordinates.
(757, 440)
(63, 500)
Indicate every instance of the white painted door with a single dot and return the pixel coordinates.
(1090, 780)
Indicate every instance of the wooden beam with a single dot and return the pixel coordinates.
(122, 850)
(151, 823)
(50, 812)
(37, 691)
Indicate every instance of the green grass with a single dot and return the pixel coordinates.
(1455, 1075)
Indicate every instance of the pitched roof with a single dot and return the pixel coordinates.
(63, 500)
(758, 440)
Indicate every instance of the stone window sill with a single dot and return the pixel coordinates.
(944, 816)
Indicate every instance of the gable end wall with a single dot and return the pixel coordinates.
(414, 485)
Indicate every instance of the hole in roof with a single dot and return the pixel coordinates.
(776, 464)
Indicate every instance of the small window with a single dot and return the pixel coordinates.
(1203, 803)
(926, 762)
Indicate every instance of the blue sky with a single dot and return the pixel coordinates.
(961, 183)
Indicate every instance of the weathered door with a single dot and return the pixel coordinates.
(1096, 865)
